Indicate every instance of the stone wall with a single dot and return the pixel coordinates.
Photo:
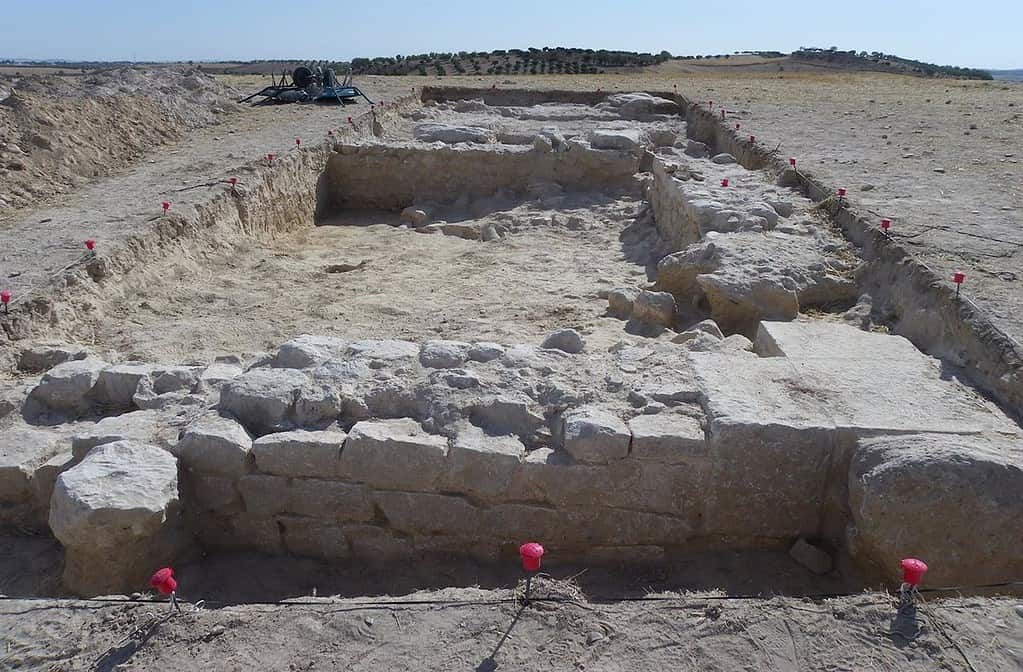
(392, 177)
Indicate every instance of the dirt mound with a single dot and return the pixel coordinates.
(57, 132)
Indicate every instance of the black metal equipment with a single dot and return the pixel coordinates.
(309, 85)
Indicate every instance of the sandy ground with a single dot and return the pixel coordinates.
(485, 630)
(463, 616)
(247, 297)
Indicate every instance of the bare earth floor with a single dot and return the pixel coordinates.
(248, 297)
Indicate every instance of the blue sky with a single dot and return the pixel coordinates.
(981, 34)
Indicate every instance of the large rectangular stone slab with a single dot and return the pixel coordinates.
(22, 449)
(482, 465)
(330, 500)
(394, 455)
(667, 437)
(423, 513)
(314, 538)
(300, 453)
(803, 339)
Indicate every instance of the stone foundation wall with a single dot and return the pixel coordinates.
(393, 177)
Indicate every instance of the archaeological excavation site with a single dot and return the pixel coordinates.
(610, 323)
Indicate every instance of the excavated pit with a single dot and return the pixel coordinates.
(524, 315)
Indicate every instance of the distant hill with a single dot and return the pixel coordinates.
(532, 61)
(1008, 75)
(882, 62)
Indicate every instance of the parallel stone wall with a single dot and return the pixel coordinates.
(392, 177)
(923, 305)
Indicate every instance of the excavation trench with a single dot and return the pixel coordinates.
(697, 408)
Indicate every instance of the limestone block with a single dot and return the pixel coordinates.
(141, 426)
(657, 308)
(620, 301)
(22, 450)
(306, 351)
(953, 501)
(318, 405)
(485, 351)
(314, 538)
(566, 340)
(482, 465)
(594, 435)
(813, 558)
(241, 531)
(830, 340)
(116, 385)
(666, 437)
(265, 495)
(443, 354)
(394, 454)
(423, 513)
(749, 276)
(330, 500)
(262, 398)
(450, 134)
(215, 444)
(217, 494)
(624, 139)
(218, 373)
(116, 513)
(45, 478)
(45, 356)
(314, 454)
(68, 386)
(383, 350)
(510, 413)
(375, 543)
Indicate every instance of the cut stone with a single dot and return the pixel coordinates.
(45, 356)
(264, 495)
(262, 398)
(68, 386)
(140, 426)
(817, 339)
(214, 444)
(22, 450)
(116, 515)
(485, 351)
(482, 465)
(816, 560)
(657, 308)
(443, 354)
(621, 300)
(953, 498)
(305, 351)
(566, 340)
(416, 512)
(394, 454)
(117, 384)
(315, 538)
(330, 500)
(300, 453)
(594, 435)
(666, 437)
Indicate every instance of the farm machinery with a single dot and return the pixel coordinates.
(309, 85)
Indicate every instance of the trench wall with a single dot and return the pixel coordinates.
(270, 200)
(394, 177)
